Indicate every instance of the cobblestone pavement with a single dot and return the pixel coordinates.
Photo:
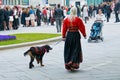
(101, 60)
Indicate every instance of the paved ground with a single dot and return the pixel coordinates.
(101, 60)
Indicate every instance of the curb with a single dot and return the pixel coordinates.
(47, 41)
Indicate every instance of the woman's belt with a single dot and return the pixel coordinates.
(72, 30)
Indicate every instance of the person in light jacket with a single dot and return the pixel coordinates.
(85, 13)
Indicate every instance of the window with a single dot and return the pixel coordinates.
(25, 2)
(19, 2)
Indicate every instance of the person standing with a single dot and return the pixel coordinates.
(10, 18)
(38, 14)
(32, 16)
(6, 18)
(71, 35)
(44, 15)
(16, 18)
(78, 10)
(59, 17)
(1, 19)
(108, 11)
(116, 9)
(23, 22)
(52, 17)
(85, 13)
(48, 15)
(27, 17)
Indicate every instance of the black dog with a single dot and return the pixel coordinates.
(38, 53)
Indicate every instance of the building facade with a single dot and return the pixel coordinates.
(14, 2)
(51, 2)
(94, 2)
(107, 0)
(77, 2)
(56, 2)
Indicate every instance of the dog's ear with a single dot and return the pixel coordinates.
(48, 48)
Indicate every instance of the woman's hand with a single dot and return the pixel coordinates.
(85, 37)
(63, 39)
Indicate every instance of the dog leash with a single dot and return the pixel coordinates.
(56, 43)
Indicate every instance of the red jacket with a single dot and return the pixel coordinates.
(77, 22)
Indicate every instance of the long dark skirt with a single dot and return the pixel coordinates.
(72, 51)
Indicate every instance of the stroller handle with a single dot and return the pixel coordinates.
(99, 21)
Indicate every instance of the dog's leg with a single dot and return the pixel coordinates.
(41, 63)
(37, 59)
(31, 62)
(31, 59)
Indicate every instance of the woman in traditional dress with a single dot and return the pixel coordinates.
(72, 26)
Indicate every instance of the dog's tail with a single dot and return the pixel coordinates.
(26, 52)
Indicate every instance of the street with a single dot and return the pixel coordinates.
(100, 60)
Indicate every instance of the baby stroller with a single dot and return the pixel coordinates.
(96, 31)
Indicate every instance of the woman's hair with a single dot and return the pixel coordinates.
(27, 10)
(73, 13)
(99, 11)
(31, 7)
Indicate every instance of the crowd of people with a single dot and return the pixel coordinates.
(13, 17)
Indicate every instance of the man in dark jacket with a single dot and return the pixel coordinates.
(108, 11)
(116, 9)
(38, 14)
(59, 17)
(78, 10)
(6, 18)
(1, 19)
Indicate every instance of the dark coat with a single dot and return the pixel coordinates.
(108, 9)
(11, 13)
(1, 19)
(1, 15)
(117, 7)
(59, 13)
(38, 13)
(6, 15)
(23, 18)
(27, 14)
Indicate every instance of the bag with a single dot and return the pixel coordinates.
(16, 16)
(11, 18)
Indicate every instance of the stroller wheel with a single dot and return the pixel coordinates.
(102, 38)
(96, 41)
(89, 40)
